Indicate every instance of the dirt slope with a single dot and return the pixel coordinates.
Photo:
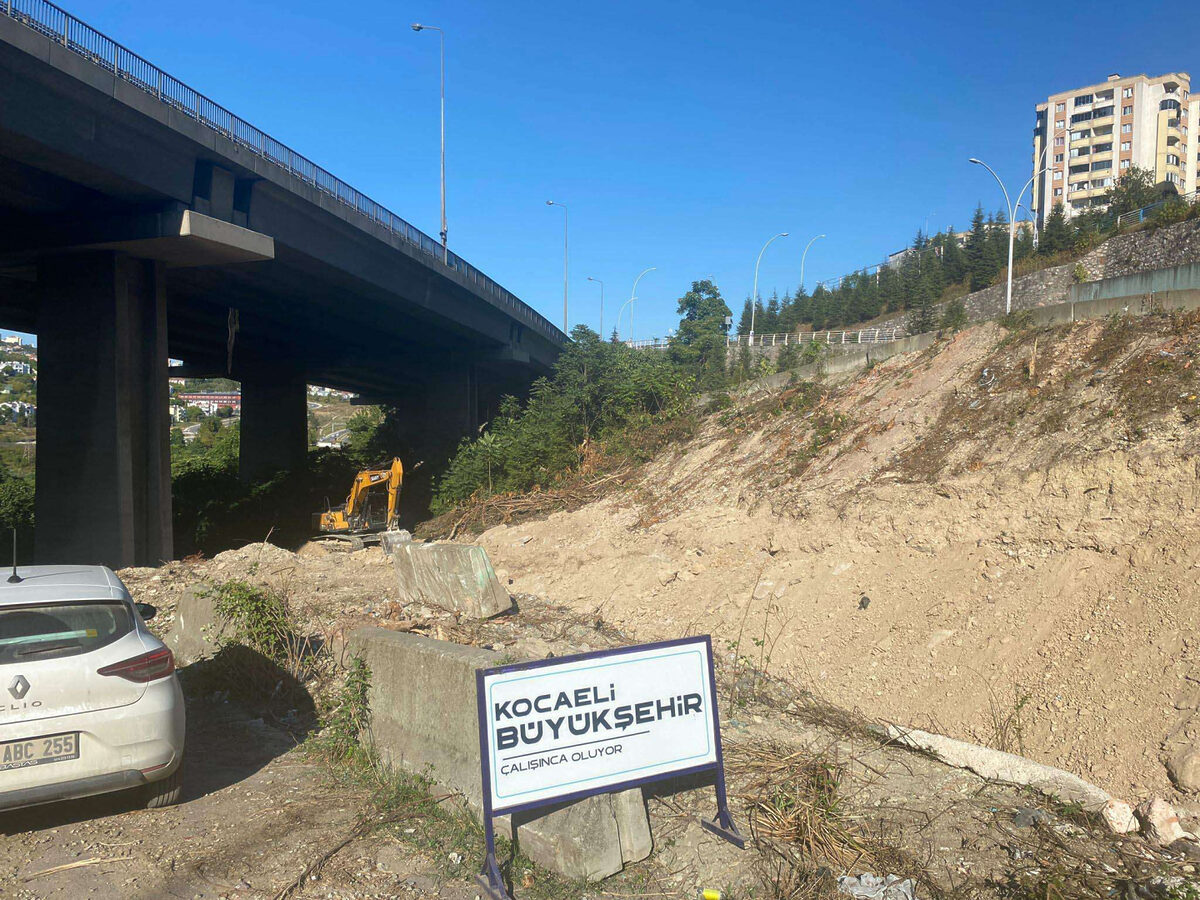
(1024, 544)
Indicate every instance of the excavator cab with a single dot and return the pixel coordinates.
(373, 504)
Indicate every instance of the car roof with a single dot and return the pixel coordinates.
(48, 584)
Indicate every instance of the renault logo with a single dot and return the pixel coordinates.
(19, 687)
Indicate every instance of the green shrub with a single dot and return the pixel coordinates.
(598, 390)
(1079, 274)
(954, 316)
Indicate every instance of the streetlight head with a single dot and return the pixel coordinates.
(974, 160)
(417, 27)
(549, 202)
(783, 234)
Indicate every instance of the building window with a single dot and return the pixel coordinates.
(1124, 164)
(1058, 157)
(1059, 107)
(1101, 148)
(1060, 141)
(1080, 135)
(1101, 165)
(1083, 99)
(1102, 113)
(1081, 117)
(1060, 124)
(1172, 159)
(1127, 128)
(1058, 175)
(1127, 92)
(1126, 145)
(1058, 192)
(1127, 110)
(1169, 103)
(1173, 178)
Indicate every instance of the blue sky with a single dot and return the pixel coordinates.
(680, 135)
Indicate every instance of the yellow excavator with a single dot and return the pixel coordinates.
(365, 510)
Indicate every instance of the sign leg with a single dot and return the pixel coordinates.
(723, 825)
(489, 879)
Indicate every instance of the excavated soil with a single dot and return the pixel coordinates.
(995, 539)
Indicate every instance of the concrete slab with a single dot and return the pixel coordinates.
(454, 577)
(424, 720)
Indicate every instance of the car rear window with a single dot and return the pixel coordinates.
(54, 630)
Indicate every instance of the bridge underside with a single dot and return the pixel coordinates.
(128, 236)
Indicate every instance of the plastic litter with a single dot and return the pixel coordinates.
(874, 887)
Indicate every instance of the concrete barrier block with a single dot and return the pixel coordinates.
(633, 825)
(454, 577)
(424, 719)
(557, 839)
(196, 632)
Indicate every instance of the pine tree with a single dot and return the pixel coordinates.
(954, 262)
(1056, 236)
(977, 242)
(744, 321)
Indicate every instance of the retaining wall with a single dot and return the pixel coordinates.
(1176, 278)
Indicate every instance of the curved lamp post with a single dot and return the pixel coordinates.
(803, 257)
(754, 297)
(632, 297)
(1012, 226)
(601, 283)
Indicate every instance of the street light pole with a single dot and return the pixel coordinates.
(1012, 226)
(565, 218)
(442, 47)
(632, 297)
(601, 283)
(803, 257)
(754, 297)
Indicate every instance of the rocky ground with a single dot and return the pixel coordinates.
(995, 539)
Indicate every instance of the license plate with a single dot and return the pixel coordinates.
(39, 750)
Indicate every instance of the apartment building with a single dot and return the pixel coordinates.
(1085, 138)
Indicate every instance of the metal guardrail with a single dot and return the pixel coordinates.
(58, 25)
(793, 338)
(1138, 216)
(862, 336)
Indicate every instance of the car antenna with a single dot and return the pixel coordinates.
(14, 578)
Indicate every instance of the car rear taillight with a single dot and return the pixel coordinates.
(147, 667)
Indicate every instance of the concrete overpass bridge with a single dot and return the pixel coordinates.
(141, 220)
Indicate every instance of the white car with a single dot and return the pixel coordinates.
(89, 701)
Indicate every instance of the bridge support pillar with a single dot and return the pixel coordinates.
(274, 429)
(103, 451)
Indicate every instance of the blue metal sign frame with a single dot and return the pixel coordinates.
(722, 825)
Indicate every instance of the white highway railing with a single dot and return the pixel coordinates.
(861, 336)
(792, 338)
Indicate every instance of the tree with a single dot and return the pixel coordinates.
(1134, 189)
(700, 341)
(954, 262)
(744, 321)
(1056, 236)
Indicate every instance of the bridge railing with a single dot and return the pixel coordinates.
(1137, 216)
(57, 24)
(861, 336)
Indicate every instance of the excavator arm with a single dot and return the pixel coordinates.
(395, 481)
(352, 516)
